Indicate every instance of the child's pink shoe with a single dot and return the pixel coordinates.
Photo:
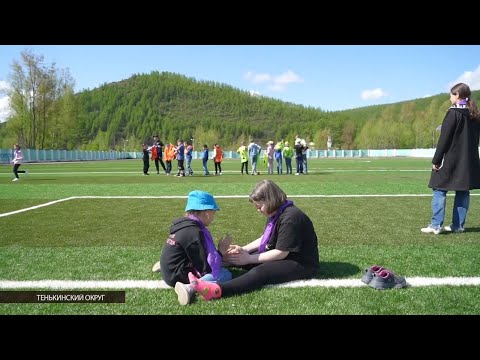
(208, 290)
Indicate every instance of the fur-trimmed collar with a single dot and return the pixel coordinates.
(457, 106)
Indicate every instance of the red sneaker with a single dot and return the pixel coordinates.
(208, 290)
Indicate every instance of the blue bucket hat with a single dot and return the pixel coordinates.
(200, 200)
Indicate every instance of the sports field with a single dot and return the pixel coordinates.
(101, 226)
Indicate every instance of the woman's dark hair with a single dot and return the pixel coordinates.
(464, 93)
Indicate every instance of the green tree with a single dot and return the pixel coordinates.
(36, 92)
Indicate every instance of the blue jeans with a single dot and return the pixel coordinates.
(299, 159)
(279, 166)
(253, 161)
(288, 164)
(205, 167)
(189, 165)
(225, 275)
(460, 208)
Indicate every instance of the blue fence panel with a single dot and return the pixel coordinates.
(33, 155)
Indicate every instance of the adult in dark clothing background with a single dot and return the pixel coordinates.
(158, 144)
(456, 163)
(145, 159)
(299, 148)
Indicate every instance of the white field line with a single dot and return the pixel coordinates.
(413, 282)
(87, 284)
(160, 284)
(217, 196)
(36, 207)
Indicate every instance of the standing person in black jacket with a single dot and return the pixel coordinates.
(146, 159)
(456, 163)
(159, 154)
(190, 248)
(299, 148)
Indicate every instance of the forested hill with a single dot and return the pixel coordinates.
(175, 106)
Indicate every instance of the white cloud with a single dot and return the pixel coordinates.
(248, 75)
(4, 100)
(287, 78)
(4, 108)
(255, 93)
(257, 78)
(373, 94)
(274, 82)
(4, 85)
(471, 78)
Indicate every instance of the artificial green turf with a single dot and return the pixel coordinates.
(121, 238)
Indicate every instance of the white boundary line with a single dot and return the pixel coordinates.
(413, 282)
(160, 284)
(36, 206)
(217, 196)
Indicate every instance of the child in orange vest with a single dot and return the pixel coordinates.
(169, 156)
(217, 159)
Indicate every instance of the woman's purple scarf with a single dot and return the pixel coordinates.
(214, 259)
(271, 224)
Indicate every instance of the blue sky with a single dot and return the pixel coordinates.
(329, 77)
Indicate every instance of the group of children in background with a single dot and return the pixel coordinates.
(158, 151)
(251, 153)
(275, 152)
(181, 153)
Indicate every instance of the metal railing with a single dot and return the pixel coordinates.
(32, 155)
